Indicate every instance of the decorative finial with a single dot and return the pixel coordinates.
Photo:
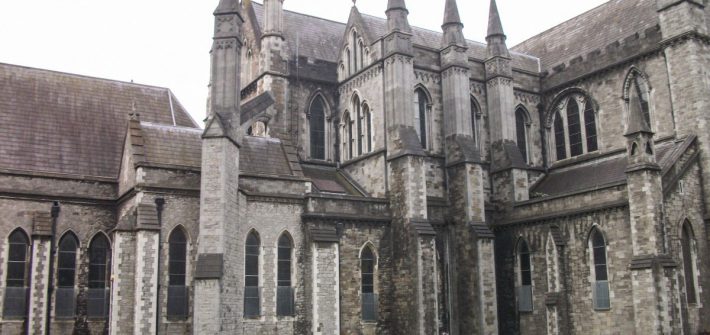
(354, 2)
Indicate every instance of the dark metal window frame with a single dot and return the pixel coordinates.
(252, 291)
(177, 275)
(65, 298)
(99, 275)
(16, 280)
(368, 263)
(600, 287)
(525, 301)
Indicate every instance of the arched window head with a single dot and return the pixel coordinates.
(16, 278)
(575, 126)
(600, 288)
(177, 274)
(525, 271)
(99, 274)
(421, 104)
(252, 296)
(688, 253)
(368, 262)
(474, 120)
(317, 125)
(284, 299)
(358, 118)
(521, 121)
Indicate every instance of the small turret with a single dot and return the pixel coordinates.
(452, 26)
(496, 37)
(273, 17)
(397, 16)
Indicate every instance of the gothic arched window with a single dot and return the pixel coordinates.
(474, 120)
(348, 123)
(252, 296)
(177, 273)
(575, 127)
(317, 128)
(600, 287)
(688, 253)
(358, 118)
(66, 275)
(368, 262)
(99, 274)
(421, 104)
(284, 298)
(521, 132)
(525, 270)
(17, 274)
(355, 45)
(368, 127)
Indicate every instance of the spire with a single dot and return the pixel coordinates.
(495, 27)
(451, 13)
(227, 7)
(452, 26)
(397, 16)
(637, 120)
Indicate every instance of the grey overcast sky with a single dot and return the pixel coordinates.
(166, 42)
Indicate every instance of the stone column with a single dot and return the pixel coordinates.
(40, 253)
(326, 287)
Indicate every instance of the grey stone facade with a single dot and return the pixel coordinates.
(372, 177)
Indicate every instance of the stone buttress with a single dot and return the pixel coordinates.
(473, 285)
(653, 271)
(218, 291)
(415, 303)
(508, 174)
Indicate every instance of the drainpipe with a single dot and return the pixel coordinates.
(52, 252)
(159, 203)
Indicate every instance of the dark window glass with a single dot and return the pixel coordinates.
(474, 115)
(590, 125)
(177, 257)
(17, 260)
(688, 271)
(99, 253)
(599, 251)
(284, 261)
(525, 268)
(574, 127)
(368, 126)
(317, 128)
(251, 272)
(420, 105)
(643, 97)
(349, 124)
(520, 133)
(355, 64)
(362, 58)
(368, 262)
(66, 261)
(560, 147)
(358, 119)
(350, 62)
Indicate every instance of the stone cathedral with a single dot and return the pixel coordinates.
(371, 178)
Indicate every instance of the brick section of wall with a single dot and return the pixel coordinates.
(146, 281)
(40, 277)
(326, 289)
(123, 288)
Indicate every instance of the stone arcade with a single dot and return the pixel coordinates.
(371, 178)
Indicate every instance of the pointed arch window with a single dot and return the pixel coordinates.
(688, 253)
(177, 274)
(317, 128)
(350, 61)
(99, 274)
(525, 269)
(284, 297)
(421, 104)
(348, 129)
(16, 290)
(600, 288)
(252, 291)
(368, 263)
(574, 127)
(355, 51)
(474, 121)
(521, 121)
(358, 118)
(66, 276)
(361, 47)
(368, 126)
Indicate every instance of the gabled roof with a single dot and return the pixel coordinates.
(321, 39)
(60, 123)
(591, 31)
(602, 172)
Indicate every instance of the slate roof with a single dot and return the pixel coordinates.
(60, 123)
(321, 39)
(598, 173)
(328, 179)
(265, 156)
(590, 31)
(172, 146)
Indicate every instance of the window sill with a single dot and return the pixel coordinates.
(368, 322)
(602, 309)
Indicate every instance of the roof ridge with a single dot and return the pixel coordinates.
(69, 74)
(304, 14)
